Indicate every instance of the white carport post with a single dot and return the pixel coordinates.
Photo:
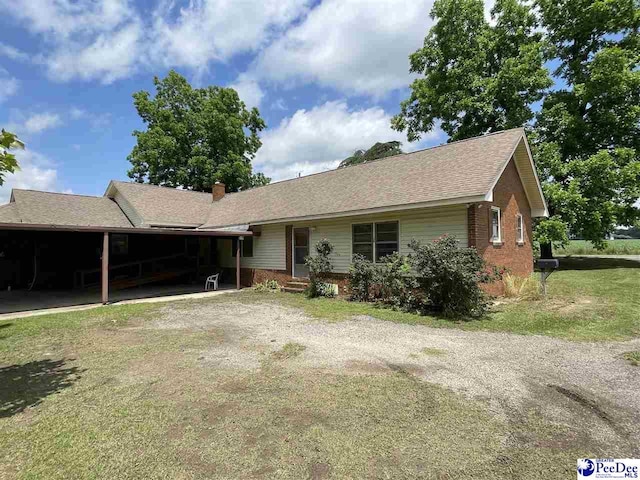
(105, 268)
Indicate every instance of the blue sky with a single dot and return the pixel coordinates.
(327, 77)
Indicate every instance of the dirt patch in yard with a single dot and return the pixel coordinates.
(225, 390)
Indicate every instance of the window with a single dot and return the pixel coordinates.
(247, 247)
(496, 226)
(374, 241)
(119, 244)
(519, 229)
(362, 238)
(386, 239)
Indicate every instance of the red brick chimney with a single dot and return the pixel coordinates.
(218, 191)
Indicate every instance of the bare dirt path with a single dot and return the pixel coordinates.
(565, 382)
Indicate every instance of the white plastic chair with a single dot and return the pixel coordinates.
(211, 280)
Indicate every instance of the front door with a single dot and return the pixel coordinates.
(300, 251)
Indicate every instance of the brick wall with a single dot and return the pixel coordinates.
(510, 197)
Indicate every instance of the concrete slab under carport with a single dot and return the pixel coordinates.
(29, 304)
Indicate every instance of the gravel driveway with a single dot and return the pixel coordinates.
(561, 381)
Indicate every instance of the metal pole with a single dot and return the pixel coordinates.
(238, 250)
(105, 268)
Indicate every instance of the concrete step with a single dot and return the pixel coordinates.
(293, 290)
(297, 284)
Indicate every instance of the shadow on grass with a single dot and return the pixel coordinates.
(595, 263)
(26, 385)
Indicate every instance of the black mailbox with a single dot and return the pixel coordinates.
(548, 263)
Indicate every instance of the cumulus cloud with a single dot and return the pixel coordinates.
(357, 46)
(36, 172)
(249, 90)
(107, 40)
(318, 139)
(208, 30)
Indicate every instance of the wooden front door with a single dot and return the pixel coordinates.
(300, 251)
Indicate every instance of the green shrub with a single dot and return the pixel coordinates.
(267, 286)
(362, 277)
(450, 277)
(319, 265)
(394, 282)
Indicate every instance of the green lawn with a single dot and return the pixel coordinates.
(103, 394)
(613, 247)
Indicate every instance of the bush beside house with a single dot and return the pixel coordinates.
(439, 277)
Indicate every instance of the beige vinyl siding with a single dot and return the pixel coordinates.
(420, 224)
(269, 250)
(128, 210)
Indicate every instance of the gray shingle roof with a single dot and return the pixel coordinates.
(162, 206)
(45, 208)
(9, 213)
(452, 171)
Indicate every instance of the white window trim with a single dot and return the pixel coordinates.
(496, 241)
(520, 224)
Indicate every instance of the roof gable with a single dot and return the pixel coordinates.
(163, 206)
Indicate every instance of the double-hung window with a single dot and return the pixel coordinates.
(375, 240)
(496, 227)
(519, 229)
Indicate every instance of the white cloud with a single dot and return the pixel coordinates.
(249, 90)
(318, 139)
(42, 121)
(8, 85)
(357, 46)
(12, 52)
(35, 123)
(36, 172)
(97, 120)
(87, 39)
(216, 29)
(110, 56)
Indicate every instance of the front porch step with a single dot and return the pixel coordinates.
(293, 290)
(297, 284)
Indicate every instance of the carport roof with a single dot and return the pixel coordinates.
(46, 208)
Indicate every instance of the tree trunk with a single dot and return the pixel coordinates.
(546, 250)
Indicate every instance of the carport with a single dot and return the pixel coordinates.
(44, 266)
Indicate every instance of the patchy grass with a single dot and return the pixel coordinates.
(289, 350)
(612, 247)
(588, 300)
(433, 351)
(633, 358)
(102, 394)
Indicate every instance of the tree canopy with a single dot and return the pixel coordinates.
(475, 77)
(8, 162)
(195, 137)
(586, 139)
(378, 150)
(478, 78)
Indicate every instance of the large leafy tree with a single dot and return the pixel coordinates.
(475, 77)
(8, 162)
(195, 137)
(378, 150)
(587, 134)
